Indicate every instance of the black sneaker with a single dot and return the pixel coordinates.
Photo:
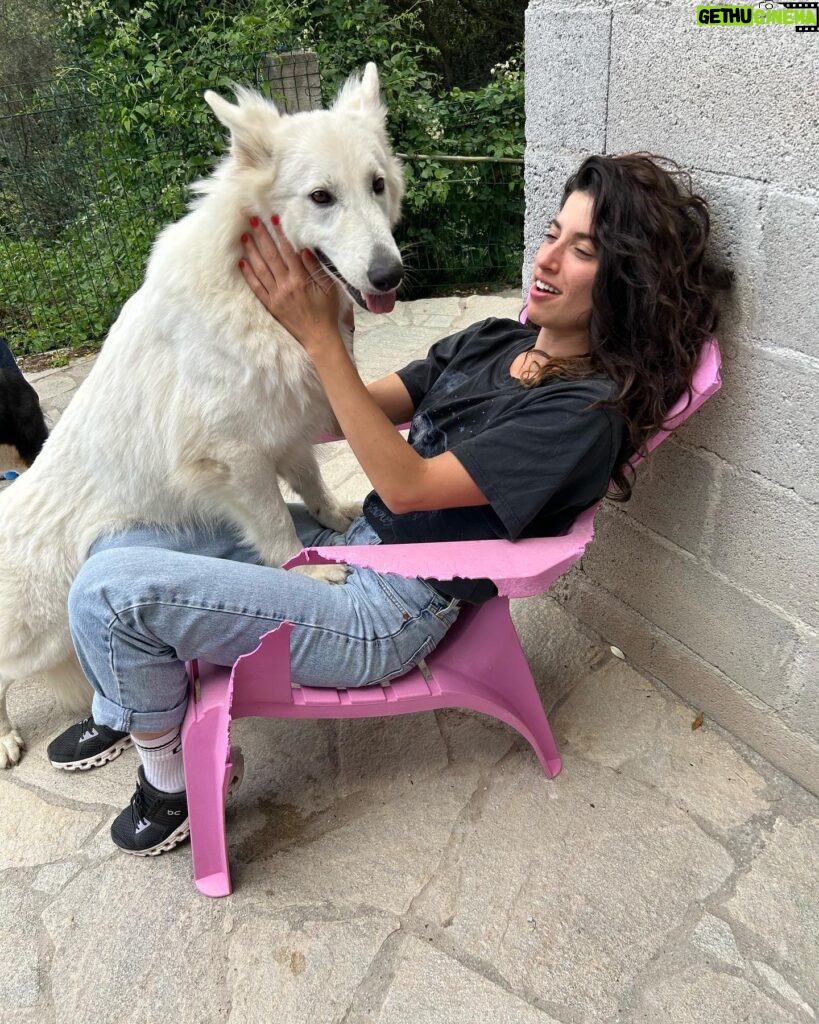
(87, 745)
(155, 822)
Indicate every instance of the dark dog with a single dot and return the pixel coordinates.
(21, 419)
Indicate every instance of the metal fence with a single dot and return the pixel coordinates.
(78, 211)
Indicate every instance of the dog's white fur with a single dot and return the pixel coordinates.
(199, 400)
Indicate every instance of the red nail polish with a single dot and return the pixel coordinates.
(275, 219)
(254, 222)
(245, 239)
(241, 264)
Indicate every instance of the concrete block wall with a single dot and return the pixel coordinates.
(709, 578)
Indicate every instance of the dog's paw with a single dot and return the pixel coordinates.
(352, 510)
(333, 573)
(339, 517)
(11, 749)
(334, 518)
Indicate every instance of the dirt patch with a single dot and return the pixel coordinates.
(56, 357)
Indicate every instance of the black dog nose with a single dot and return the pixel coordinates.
(385, 272)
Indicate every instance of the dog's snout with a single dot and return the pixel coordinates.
(385, 272)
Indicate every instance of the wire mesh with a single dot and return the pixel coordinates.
(82, 197)
(463, 224)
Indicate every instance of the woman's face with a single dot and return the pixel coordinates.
(560, 297)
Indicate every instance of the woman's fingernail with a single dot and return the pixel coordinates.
(245, 239)
(275, 219)
(241, 264)
(254, 222)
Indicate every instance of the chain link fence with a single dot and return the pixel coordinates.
(79, 208)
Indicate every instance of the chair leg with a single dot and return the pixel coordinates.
(533, 725)
(205, 740)
(521, 698)
(485, 669)
(523, 710)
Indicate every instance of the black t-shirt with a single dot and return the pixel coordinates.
(540, 455)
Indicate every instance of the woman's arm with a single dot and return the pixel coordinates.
(390, 395)
(295, 290)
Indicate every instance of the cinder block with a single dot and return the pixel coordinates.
(765, 419)
(735, 206)
(560, 651)
(730, 100)
(671, 494)
(546, 174)
(766, 539)
(736, 634)
(788, 316)
(579, 7)
(794, 749)
(567, 78)
(803, 713)
(616, 623)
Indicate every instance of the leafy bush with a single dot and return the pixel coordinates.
(119, 136)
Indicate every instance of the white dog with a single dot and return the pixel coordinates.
(199, 401)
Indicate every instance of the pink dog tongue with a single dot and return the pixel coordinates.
(380, 303)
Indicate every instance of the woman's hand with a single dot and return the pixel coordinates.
(293, 287)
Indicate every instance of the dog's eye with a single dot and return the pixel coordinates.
(322, 197)
(378, 186)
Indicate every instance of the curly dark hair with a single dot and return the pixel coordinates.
(655, 293)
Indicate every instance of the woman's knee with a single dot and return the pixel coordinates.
(109, 579)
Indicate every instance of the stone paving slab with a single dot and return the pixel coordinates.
(429, 987)
(694, 767)
(421, 869)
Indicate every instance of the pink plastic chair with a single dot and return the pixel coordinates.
(479, 664)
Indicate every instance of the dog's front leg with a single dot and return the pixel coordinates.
(258, 506)
(302, 473)
(11, 743)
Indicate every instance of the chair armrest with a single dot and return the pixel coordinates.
(519, 568)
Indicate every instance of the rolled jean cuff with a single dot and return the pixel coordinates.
(106, 712)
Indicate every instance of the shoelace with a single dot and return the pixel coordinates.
(86, 725)
(139, 805)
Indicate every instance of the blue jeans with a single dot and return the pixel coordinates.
(147, 600)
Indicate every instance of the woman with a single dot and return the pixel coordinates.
(515, 431)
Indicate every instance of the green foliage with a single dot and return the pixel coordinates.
(29, 47)
(122, 132)
(470, 37)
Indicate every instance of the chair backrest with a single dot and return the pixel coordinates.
(706, 382)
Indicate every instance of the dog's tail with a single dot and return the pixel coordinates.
(67, 681)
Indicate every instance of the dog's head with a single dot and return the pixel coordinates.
(331, 177)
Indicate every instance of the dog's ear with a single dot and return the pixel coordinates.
(361, 94)
(251, 123)
(395, 189)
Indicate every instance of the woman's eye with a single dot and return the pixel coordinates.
(378, 186)
(551, 238)
(582, 252)
(321, 196)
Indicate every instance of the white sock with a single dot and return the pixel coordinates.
(162, 761)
